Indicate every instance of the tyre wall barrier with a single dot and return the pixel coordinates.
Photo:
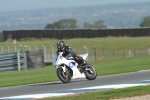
(35, 59)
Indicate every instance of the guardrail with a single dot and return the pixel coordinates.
(13, 61)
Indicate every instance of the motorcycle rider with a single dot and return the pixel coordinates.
(67, 51)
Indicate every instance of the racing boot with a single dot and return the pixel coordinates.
(83, 64)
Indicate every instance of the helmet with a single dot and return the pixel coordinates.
(60, 44)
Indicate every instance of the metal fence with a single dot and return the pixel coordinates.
(94, 53)
(13, 61)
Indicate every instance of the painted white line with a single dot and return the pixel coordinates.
(37, 96)
(80, 90)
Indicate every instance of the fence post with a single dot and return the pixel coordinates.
(114, 53)
(18, 57)
(22, 48)
(146, 50)
(8, 49)
(29, 48)
(52, 51)
(135, 51)
(86, 49)
(36, 47)
(130, 54)
(1, 49)
(104, 53)
(14, 47)
(125, 52)
(95, 53)
(44, 52)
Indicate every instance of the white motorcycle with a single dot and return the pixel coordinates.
(68, 69)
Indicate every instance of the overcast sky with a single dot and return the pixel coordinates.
(13, 5)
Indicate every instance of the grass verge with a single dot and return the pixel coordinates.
(107, 95)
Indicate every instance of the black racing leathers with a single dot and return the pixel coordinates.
(69, 52)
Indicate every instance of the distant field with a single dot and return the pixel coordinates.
(108, 43)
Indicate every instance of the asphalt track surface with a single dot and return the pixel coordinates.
(78, 83)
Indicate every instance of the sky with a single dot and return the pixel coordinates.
(19, 5)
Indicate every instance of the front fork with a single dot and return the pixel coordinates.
(64, 68)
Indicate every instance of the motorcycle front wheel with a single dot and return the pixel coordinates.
(90, 72)
(65, 77)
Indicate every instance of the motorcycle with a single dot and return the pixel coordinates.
(68, 69)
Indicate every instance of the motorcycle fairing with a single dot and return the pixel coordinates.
(63, 61)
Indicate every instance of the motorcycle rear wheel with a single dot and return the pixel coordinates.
(88, 74)
(65, 77)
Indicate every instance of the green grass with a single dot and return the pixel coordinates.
(107, 95)
(39, 75)
(108, 43)
(116, 66)
(48, 73)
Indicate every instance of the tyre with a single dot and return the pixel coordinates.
(90, 73)
(65, 77)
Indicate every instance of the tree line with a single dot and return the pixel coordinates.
(100, 24)
(72, 24)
